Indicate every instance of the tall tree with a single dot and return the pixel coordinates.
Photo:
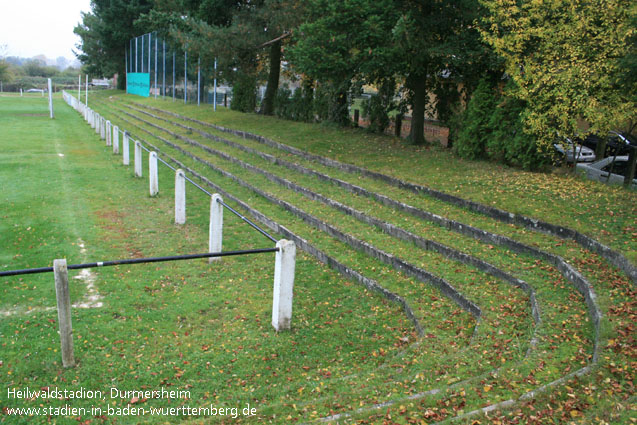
(281, 18)
(341, 40)
(566, 60)
(104, 33)
(438, 47)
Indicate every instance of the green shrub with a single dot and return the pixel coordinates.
(283, 103)
(472, 136)
(378, 106)
(508, 142)
(321, 102)
(492, 127)
(297, 106)
(244, 93)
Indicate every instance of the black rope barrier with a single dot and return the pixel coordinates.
(198, 186)
(260, 230)
(232, 210)
(140, 261)
(166, 164)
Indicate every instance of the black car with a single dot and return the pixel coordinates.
(618, 143)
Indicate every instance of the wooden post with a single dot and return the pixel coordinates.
(125, 152)
(630, 169)
(356, 117)
(215, 232)
(115, 139)
(64, 311)
(152, 174)
(180, 197)
(138, 159)
(284, 266)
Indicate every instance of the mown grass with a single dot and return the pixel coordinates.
(564, 354)
(186, 325)
(595, 269)
(348, 349)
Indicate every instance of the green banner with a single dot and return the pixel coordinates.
(138, 83)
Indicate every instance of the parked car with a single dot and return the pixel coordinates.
(565, 152)
(35, 91)
(607, 170)
(618, 143)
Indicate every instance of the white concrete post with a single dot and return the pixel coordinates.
(109, 132)
(215, 233)
(98, 120)
(64, 311)
(125, 152)
(180, 197)
(102, 128)
(50, 99)
(284, 266)
(91, 118)
(138, 159)
(115, 139)
(152, 174)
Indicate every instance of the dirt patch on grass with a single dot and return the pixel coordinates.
(115, 230)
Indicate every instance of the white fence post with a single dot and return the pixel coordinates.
(125, 152)
(109, 133)
(64, 311)
(152, 174)
(284, 266)
(180, 197)
(50, 99)
(138, 159)
(115, 139)
(103, 128)
(215, 233)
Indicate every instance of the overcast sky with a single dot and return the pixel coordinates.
(32, 27)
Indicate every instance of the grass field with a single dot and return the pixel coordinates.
(205, 329)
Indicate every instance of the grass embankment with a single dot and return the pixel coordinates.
(348, 349)
(563, 314)
(604, 212)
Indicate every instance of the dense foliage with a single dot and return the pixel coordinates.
(567, 59)
(568, 62)
(492, 127)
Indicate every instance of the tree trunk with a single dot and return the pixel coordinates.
(267, 107)
(418, 87)
(338, 112)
